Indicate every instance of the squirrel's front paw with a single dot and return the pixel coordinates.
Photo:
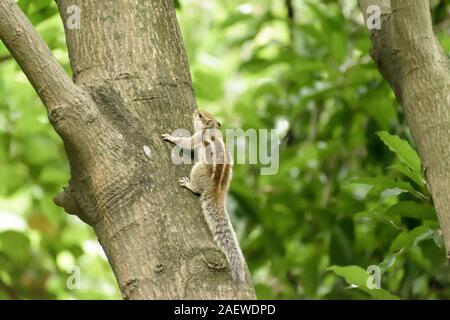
(167, 137)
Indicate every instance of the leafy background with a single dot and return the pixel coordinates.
(349, 195)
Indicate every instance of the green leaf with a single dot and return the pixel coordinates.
(416, 177)
(411, 209)
(402, 149)
(409, 239)
(357, 277)
(388, 185)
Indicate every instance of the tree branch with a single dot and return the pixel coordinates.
(132, 84)
(410, 58)
(69, 106)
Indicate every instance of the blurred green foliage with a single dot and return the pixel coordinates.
(350, 192)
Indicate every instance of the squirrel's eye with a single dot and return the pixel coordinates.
(200, 115)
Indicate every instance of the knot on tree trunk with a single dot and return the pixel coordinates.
(67, 200)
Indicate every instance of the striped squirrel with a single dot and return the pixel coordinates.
(210, 178)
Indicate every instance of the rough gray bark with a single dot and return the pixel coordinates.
(411, 59)
(131, 83)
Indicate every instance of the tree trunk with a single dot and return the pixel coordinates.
(411, 59)
(131, 83)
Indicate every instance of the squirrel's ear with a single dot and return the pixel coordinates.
(219, 124)
(210, 124)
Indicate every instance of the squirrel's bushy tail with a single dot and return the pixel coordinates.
(224, 235)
